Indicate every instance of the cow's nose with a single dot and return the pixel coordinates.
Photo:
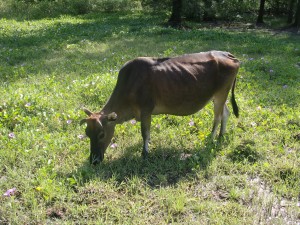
(95, 160)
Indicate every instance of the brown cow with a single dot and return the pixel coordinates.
(179, 86)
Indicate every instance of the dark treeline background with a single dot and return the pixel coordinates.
(253, 11)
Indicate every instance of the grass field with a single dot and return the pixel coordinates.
(51, 68)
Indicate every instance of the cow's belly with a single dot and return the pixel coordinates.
(182, 109)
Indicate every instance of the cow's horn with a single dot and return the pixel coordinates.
(87, 112)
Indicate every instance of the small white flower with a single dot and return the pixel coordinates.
(80, 136)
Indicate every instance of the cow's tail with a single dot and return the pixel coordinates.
(233, 102)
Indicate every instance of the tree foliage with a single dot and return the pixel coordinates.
(196, 10)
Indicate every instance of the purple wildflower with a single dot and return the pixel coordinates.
(27, 104)
(191, 123)
(10, 192)
(271, 71)
(69, 121)
(11, 135)
(133, 122)
(114, 145)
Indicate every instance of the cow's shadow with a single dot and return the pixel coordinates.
(163, 166)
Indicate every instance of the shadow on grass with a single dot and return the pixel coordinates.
(163, 167)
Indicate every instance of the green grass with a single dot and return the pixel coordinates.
(50, 68)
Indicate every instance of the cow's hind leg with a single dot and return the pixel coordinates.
(145, 129)
(225, 116)
(221, 114)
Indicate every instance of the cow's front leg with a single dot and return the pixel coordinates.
(145, 128)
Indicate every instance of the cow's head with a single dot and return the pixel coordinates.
(100, 129)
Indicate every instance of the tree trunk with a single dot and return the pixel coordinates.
(175, 19)
(297, 16)
(208, 14)
(291, 11)
(261, 12)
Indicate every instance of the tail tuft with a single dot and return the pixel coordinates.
(233, 102)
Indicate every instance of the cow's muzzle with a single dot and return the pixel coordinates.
(96, 158)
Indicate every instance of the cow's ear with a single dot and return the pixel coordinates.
(112, 116)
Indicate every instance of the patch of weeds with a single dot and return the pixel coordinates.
(173, 204)
(134, 185)
(245, 152)
(297, 137)
(235, 194)
(288, 174)
(56, 213)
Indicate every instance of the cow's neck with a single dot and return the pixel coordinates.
(122, 111)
